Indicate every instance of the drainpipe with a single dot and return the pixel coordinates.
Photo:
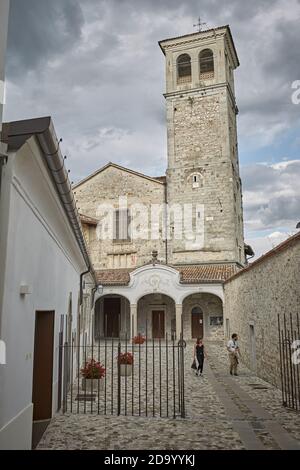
(81, 286)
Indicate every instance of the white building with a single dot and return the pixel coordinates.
(4, 10)
(43, 259)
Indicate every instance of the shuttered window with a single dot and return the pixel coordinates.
(122, 225)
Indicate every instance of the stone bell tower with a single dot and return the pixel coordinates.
(203, 166)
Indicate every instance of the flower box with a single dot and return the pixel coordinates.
(93, 374)
(125, 361)
(92, 385)
(125, 370)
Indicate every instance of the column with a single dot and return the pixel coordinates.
(178, 320)
(133, 320)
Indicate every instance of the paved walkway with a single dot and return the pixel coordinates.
(223, 412)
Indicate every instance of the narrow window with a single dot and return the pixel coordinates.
(121, 225)
(184, 69)
(206, 63)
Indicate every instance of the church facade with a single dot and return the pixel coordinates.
(162, 247)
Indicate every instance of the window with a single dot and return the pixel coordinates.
(184, 69)
(206, 63)
(216, 321)
(121, 225)
(196, 179)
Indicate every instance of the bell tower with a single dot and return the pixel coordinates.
(203, 166)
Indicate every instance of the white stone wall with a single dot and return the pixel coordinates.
(37, 249)
(253, 301)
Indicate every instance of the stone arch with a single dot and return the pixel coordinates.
(112, 316)
(209, 324)
(156, 315)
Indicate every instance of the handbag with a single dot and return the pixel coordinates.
(194, 365)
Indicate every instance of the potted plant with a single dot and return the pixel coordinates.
(139, 339)
(92, 374)
(125, 361)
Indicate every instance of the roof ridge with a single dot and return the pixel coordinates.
(120, 167)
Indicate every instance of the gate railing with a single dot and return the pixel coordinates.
(289, 343)
(153, 385)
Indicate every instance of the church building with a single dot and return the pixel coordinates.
(162, 247)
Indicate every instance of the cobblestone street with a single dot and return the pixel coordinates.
(223, 412)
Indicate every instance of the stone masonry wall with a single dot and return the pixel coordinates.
(255, 297)
(105, 188)
(198, 135)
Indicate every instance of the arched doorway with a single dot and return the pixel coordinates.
(203, 316)
(156, 316)
(112, 317)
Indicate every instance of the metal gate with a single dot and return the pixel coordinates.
(289, 350)
(150, 385)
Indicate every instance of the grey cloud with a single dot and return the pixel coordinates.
(271, 195)
(39, 29)
(95, 65)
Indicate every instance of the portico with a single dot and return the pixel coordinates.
(156, 300)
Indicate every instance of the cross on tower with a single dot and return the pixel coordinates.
(199, 24)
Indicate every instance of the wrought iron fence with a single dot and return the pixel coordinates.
(151, 384)
(289, 343)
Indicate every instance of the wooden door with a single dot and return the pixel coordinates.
(197, 323)
(112, 313)
(158, 324)
(43, 366)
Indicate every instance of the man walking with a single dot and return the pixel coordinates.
(233, 350)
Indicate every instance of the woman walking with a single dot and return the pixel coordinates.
(199, 354)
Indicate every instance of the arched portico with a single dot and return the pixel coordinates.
(112, 317)
(202, 316)
(156, 316)
(160, 280)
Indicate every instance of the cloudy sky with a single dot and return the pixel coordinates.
(96, 68)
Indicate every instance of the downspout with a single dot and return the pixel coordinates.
(81, 286)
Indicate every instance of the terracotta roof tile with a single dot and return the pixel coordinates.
(189, 274)
(193, 274)
(113, 277)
